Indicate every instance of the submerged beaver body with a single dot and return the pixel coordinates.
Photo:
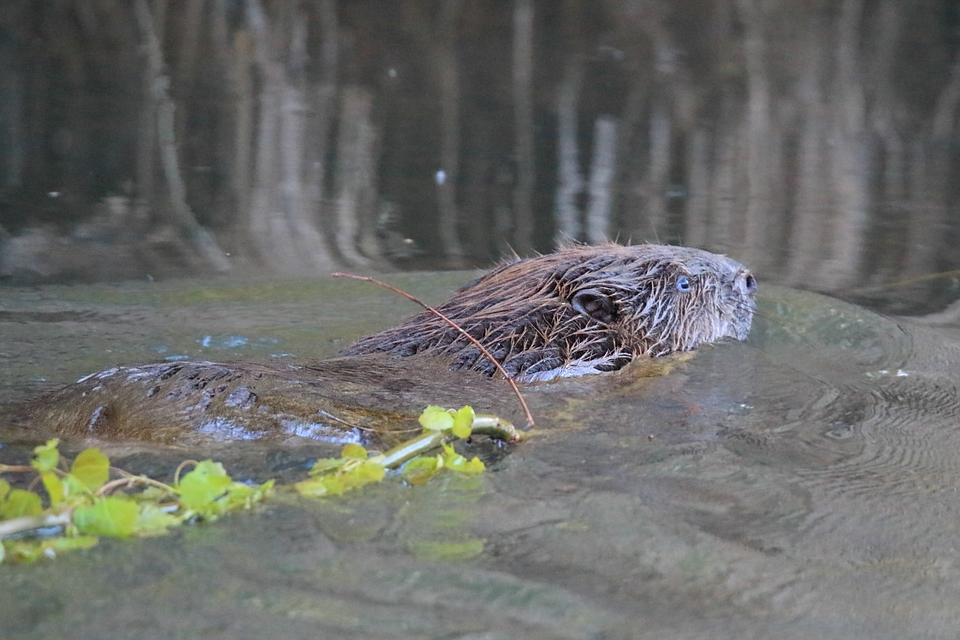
(577, 311)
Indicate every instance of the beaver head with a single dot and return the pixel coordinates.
(583, 309)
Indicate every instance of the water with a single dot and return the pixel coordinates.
(803, 484)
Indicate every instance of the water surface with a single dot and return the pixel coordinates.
(803, 484)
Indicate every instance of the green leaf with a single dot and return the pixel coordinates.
(371, 471)
(4, 489)
(436, 418)
(314, 487)
(364, 473)
(31, 550)
(320, 486)
(20, 502)
(54, 487)
(470, 467)
(23, 550)
(200, 488)
(153, 521)
(354, 451)
(46, 456)
(421, 469)
(456, 462)
(69, 544)
(325, 465)
(114, 516)
(242, 496)
(356, 476)
(463, 422)
(92, 468)
(73, 488)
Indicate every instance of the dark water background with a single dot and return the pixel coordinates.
(817, 143)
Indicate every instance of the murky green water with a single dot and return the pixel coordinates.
(805, 484)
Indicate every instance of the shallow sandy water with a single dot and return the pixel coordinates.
(805, 484)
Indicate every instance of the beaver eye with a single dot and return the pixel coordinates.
(683, 284)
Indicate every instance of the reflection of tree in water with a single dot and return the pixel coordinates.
(818, 143)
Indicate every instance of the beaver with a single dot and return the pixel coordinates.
(580, 310)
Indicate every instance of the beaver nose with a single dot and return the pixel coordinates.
(745, 283)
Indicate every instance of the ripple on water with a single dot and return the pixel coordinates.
(859, 412)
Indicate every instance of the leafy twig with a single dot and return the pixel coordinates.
(85, 504)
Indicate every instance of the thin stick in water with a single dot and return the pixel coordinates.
(483, 350)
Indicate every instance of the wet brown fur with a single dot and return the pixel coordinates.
(584, 309)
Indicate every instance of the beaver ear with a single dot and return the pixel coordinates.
(595, 304)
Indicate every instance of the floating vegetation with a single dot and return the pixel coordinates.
(82, 503)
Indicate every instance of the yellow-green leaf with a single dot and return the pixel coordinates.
(314, 487)
(54, 487)
(202, 486)
(320, 486)
(73, 487)
(152, 520)
(462, 465)
(463, 422)
(421, 469)
(4, 489)
(20, 502)
(240, 496)
(354, 451)
(46, 456)
(435, 418)
(371, 471)
(92, 467)
(69, 544)
(326, 465)
(456, 462)
(114, 516)
(31, 550)
(363, 473)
